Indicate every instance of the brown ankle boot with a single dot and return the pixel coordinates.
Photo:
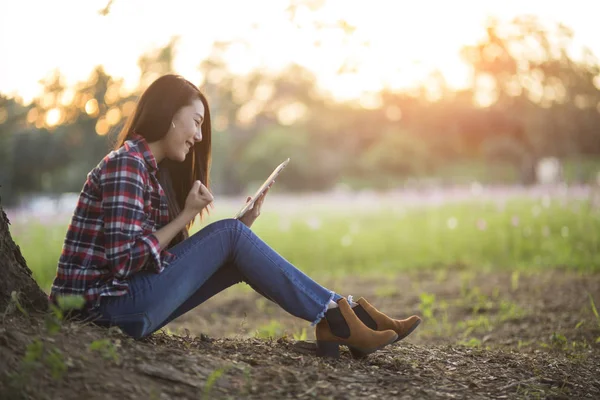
(377, 320)
(341, 326)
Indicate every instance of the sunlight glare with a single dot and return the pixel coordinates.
(91, 107)
(32, 115)
(67, 96)
(247, 113)
(112, 95)
(393, 113)
(113, 116)
(53, 117)
(375, 45)
(47, 100)
(291, 113)
(102, 127)
(402, 50)
(264, 91)
(485, 93)
(370, 100)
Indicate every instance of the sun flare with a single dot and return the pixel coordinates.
(354, 48)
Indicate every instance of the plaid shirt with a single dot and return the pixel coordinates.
(110, 236)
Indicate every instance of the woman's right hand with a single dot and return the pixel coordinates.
(198, 198)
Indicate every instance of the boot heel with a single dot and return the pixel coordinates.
(356, 353)
(328, 349)
(360, 353)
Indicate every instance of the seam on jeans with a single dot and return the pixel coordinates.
(274, 262)
(222, 247)
(307, 291)
(322, 313)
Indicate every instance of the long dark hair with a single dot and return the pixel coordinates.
(151, 118)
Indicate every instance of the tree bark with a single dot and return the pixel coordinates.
(14, 273)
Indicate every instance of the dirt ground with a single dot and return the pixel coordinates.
(484, 335)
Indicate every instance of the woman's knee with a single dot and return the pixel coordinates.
(228, 223)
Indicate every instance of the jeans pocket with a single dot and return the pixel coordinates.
(136, 325)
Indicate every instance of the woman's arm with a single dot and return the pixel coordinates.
(168, 232)
(128, 247)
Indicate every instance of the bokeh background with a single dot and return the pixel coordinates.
(426, 135)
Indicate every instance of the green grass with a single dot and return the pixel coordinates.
(523, 234)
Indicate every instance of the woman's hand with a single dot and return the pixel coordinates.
(198, 198)
(251, 215)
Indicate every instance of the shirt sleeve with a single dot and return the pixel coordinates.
(127, 248)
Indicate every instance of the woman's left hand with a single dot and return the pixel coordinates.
(251, 215)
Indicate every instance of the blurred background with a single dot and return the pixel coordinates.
(379, 97)
(420, 134)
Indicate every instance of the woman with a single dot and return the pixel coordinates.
(128, 252)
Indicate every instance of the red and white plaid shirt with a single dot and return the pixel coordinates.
(110, 236)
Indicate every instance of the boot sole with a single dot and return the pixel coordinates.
(332, 349)
(408, 332)
(359, 353)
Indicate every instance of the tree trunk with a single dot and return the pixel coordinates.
(15, 275)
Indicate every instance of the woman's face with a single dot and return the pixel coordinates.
(184, 131)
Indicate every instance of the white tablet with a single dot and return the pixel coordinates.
(261, 189)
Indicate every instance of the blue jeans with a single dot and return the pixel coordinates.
(218, 256)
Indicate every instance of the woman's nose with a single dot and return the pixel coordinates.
(198, 137)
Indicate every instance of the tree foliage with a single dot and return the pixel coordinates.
(530, 98)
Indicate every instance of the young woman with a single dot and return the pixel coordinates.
(128, 252)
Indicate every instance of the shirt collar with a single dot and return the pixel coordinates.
(144, 149)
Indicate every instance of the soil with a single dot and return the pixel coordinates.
(484, 335)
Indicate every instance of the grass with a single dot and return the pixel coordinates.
(329, 243)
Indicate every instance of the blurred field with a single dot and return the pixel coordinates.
(332, 236)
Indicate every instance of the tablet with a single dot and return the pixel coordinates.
(261, 189)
